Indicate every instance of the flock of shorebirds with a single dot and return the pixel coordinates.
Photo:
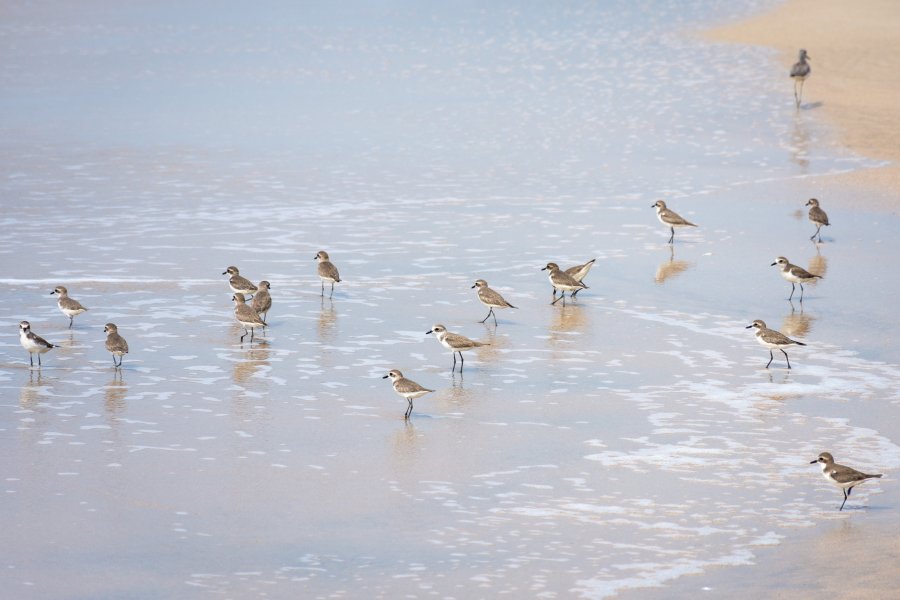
(252, 316)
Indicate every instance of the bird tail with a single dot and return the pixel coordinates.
(799, 343)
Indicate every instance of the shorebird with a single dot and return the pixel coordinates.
(491, 299)
(455, 343)
(562, 281)
(772, 339)
(578, 273)
(239, 284)
(327, 271)
(817, 216)
(670, 218)
(841, 476)
(799, 72)
(262, 301)
(246, 316)
(794, 274)
(407, 388)
(115, 343)
(69, 306)
(32, 342)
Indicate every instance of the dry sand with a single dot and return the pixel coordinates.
(855, 83)
(855, 59)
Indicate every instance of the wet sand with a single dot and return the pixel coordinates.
(855, 58)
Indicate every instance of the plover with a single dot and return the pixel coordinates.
(670, 218)
(799, 72)
(455, 343)
(32, 342)
(841, 476)
(817, 216)
(578, 273)
(115, 343)
(69, 306)
(327, 271)
(772, 339)
(562, 281)
(407, 388)
(794, 274)
(246, 316)
(262, 301)
(239, 284)
(490, 298)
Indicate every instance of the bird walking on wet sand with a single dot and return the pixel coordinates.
(772, 339)
(794, 274)
(68, 306)
(115, 343)
(562, 281)
(670, 218)
(262, 301)
(327, 271)
(407, 388)
(238, 283)
(799, 72)
(578, 273)
(841, 476)
(491, 299)
(33, 343)
(246, 316)
(817, 216)
(455, 343)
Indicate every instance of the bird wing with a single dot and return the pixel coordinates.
(843, 474)
(407, 386)
(800, 69)
(673, 218)
(39, 340)
(70, 304)
(241, 283)
(817, 215)
(329, 271)
(802, 273)
(489, 296)
(776, 337)
(460, 341)
(245, 314)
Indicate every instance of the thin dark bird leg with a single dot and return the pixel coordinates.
(408, 410)
(561, 297)
(846, 495)
(453, 368)
(801, 292)
(495, 316)
(462, 361)
(489, 314)
(31, 358)
(770, 359)
(786, 358)
(245, 335)
(818, 228)
(793, 288)
(672, 237)
(71, 321)
(323, 289)
(331, 295)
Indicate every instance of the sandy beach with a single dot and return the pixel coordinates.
(855, 61)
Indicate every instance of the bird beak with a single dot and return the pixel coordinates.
(773, 264)
(386, 376)
(544, 269)
(224, 272)
(474, 286)
(315, 257)
(429, 331)
(812, 462)
(751, 327)
(653, 205)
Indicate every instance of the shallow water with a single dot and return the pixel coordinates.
(618, 441)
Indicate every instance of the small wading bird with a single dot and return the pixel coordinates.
(670, 218)
(799, 72)
(794, 274)
(68, 306)
(238, 283)
(841, 476)
(772, 339)
(407, 388)
(327, 271)
(455, 343)
(491, 299)
(262, 301)
(115, 343)
(562, 281)
(32, 342)
(817, 216)
(246, 316)
(578, 273)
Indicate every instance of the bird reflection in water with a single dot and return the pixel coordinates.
(114, 393)
(800, 142)
(326, 325)
(670, 268)
(406, 446)
(796, 323)
(30, 393)
(818, 264)
(253, 359)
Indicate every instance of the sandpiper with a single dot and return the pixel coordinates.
(239, 284)
(32, 342)
(246, 316)
(799, 72)
(455, 343)
(578, 273)
(407, 388)
(817, 216)
(670, 218)
(327, 271)
(562, 281)
(115, 343)
(69, 306)
(262, 301)
(772, 339)
(794, 274)
(490, 298)
(841, 476)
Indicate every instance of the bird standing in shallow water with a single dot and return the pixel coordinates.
(670, 218)
(794, 274)
(491, 299)
(68, 306)
(262, 301)
(772, 339)
(238, 283)
(817, 216)
(115, 343)
(562, 281)
(407, 388)
(841, 476)
(455, 343)
(799, 72)
(246, 316)
(33, 343)
(327, 271)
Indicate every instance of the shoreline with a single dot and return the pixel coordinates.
(854, 59)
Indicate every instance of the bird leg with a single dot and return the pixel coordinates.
(323, 289)
(672, 237)
(71, 321)
(846, 495)
(490, 312)
(793, 288)
(561, 297)
(331, 295)
(771, 358)
(31, 358)
(785, 358)
(462, 361)
(408, 410)
(801, 292)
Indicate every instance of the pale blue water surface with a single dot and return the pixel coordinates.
(600, 448)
